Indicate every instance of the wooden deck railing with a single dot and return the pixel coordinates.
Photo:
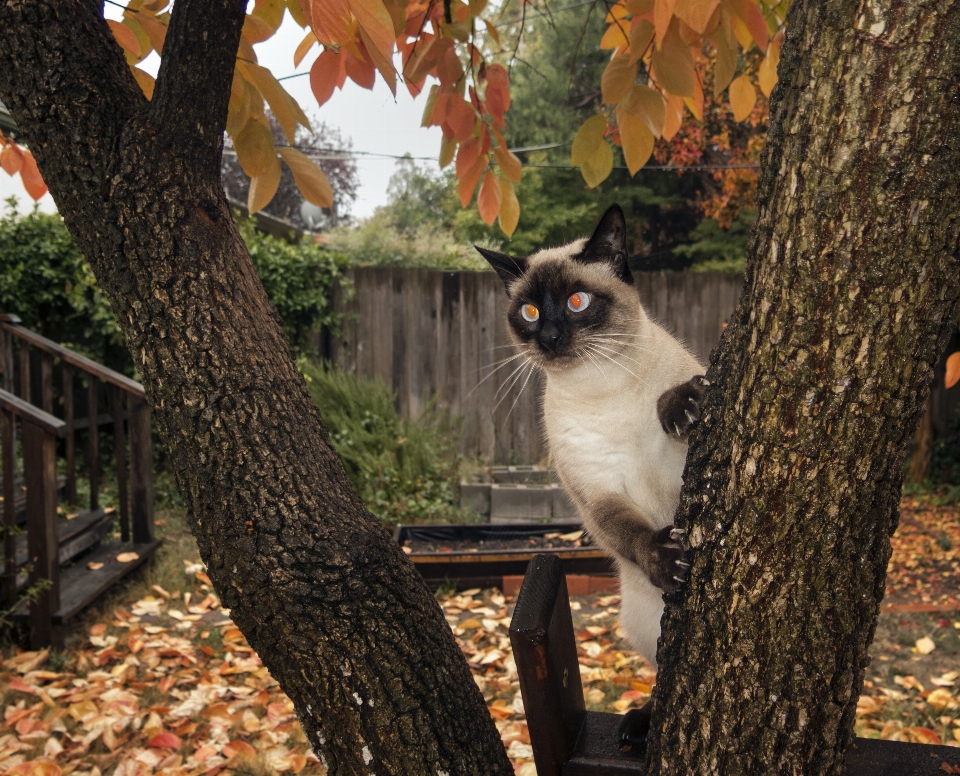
(29, 365)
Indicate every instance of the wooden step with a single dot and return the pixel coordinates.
(75, 536)
(80, 585)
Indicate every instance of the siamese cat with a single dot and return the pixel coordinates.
(621, 396)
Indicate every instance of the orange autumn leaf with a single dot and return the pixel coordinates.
(748, 12)
(304, 47)
(11, 159)
(952, 376)
(145, 81)
(742, 97)
(255, 148)
(696, 13)
(361, 71)
(238, 748)
(156, 31)
(662, 14)
(468, 181)
(331, 21)
(125, 37)
(673, 66)
(31, 178)
(375, 20)
(509, 163)
(325, 74)
(767, 72)
(488, 202)
(498, 92)
(636, 140)
(165, 741)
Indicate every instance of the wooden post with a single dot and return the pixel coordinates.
(93, 442)
(120, 451)
(25, 372)
(141, 469)
(39, 468)
(544, 649)
(8, 448)
(46, 382)
(67, 378)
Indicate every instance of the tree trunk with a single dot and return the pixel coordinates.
(340, 617)
(792, 485)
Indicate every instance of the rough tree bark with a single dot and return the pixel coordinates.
(340, 617)
(793, 479)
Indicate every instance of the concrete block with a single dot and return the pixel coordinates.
(536, 475)
(563, 506)
(475, 496)
(514, 502)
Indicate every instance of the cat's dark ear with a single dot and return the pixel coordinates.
(609, 244)
(507, 267)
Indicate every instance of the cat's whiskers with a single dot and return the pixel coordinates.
(506, 385)
(511, 386)
(616, 352)
(617, 363)
(598, 364)
(497, 366)
(522, 387)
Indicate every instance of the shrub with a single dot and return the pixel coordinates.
(406, 471)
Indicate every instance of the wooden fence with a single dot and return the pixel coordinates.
(429, 333)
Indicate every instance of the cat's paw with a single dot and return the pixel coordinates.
(665, 564)
(678, 409)
(634, 729)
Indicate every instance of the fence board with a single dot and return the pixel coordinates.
(431, 333)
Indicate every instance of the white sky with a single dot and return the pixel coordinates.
(373, 120)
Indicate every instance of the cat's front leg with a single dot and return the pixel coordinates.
(660, 555)
(678, 408)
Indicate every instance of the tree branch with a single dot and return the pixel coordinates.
(199, 57)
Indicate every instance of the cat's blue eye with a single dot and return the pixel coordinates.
(579, 301)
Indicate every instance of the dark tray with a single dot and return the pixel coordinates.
(482, 568)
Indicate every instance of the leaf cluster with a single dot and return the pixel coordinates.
(405, 470)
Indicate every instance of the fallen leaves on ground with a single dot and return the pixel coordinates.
(169, 686)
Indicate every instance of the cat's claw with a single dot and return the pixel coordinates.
(676, 533)
(664, 562)
(678, 408)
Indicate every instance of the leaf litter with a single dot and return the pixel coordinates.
(168, 685)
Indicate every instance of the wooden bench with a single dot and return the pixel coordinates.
(567, 740)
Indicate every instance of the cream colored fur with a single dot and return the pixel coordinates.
(605, 439)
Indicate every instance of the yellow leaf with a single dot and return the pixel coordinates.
(311, 181)
(382, 63)
(144, 80)
(640, 7)
(284, 107)
(296, 11)
(509, 208)
(305, 45)
(662, 14)
(331, 21)
(617, 78)
(238, 110)
(448, 147)
(727, 48)
(952, 376)
(492, 32)
(588, 138)
(647, 105)
(748, 12)
(696, 13)
(695, 103)
(429, 105)
(263, 187)
(742, 97)
(673, 67)
(617, 35)
(509, 163)
(597, 167)
(636, 139)
(767, 72)
(255, 29)
(925, 645)
(375, 20)
(618, 11)
(255, 148)
(143, 40)
(673, 116)
(640, 36)
(488, 201)
(271, 11)
(127, 557)
(156, 31)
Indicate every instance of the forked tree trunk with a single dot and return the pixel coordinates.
(340, 617)
(793, 480)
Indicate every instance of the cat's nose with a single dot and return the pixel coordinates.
(550, 335)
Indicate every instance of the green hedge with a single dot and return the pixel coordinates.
(46, 281)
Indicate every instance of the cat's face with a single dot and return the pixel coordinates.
(576, 303)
